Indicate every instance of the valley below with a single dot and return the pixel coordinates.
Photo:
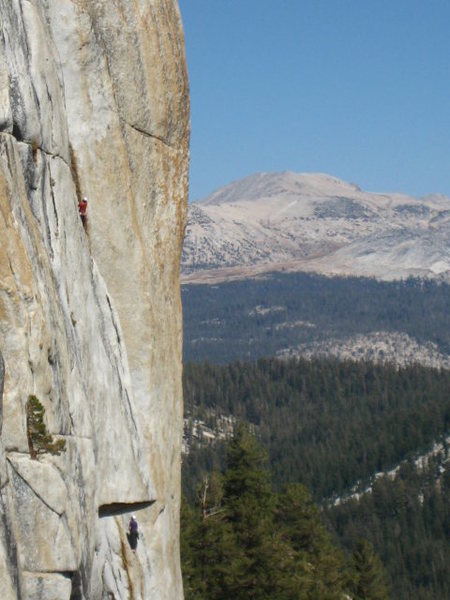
(317, 315)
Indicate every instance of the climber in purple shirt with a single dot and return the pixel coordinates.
(133, 533)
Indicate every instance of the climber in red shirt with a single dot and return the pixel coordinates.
(82, 209)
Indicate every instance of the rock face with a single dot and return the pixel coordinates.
(93, 101)
(314, 222)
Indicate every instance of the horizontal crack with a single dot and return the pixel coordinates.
(14, 450)
(122, 508)
(65, 574)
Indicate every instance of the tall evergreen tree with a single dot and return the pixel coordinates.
(208, 546)
(320, 567)
(244, 542)
(249, 505)
(369, 583)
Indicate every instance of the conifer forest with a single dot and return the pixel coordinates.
(335, 483)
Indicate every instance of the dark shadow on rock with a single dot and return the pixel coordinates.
(122, 508)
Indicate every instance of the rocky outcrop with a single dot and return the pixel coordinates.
(378, 347)
(93, 101)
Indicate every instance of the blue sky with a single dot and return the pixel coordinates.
(359, 89)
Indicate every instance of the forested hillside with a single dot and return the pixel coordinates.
(331, 426)
(327, 424)
(256, 318)
(407, 520)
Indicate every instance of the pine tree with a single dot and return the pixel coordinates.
(207, 544)
(369, 581)
(242, 541)
(262, 567)
(320, 567)
(39, 440)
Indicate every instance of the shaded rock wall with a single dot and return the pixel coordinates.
(93, 101)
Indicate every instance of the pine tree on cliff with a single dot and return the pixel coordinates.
(39, 440)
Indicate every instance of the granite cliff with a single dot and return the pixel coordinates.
(94, 101)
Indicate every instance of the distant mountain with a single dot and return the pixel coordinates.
(317, 223)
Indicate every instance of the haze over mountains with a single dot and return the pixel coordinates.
(318, 223)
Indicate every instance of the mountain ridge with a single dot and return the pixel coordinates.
(314, 222)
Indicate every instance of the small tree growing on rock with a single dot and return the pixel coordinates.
(39, 439)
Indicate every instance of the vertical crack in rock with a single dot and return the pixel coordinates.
(2, 379)
(9, 572)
